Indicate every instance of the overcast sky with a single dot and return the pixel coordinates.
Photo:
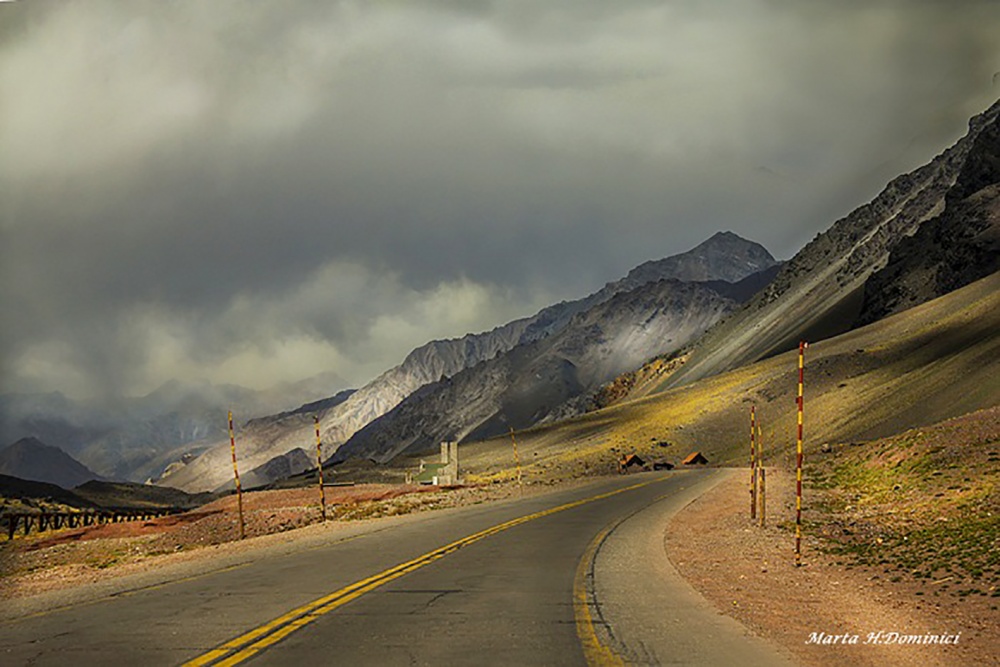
(255, 192)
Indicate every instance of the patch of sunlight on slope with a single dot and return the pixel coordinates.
(933, 362)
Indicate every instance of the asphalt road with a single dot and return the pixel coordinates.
(569, 578)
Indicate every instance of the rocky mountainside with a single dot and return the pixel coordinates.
(33, 460)
(725, 256)
(951, 250)
(525, 385)
(822, 291)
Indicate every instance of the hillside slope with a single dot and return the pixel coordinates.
(933, 362)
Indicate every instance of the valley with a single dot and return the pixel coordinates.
(899, 302)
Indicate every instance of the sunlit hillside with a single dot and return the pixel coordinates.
(930, 363)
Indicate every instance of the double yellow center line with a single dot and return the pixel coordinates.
(251, 643)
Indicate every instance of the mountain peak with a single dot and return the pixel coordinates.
(723, 256)
(727, 238)
(31, 441)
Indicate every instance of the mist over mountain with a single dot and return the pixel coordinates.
(721, 257)
(284, 465)
(125, 440)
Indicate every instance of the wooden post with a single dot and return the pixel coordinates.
(798, 458)
(236, 475)
(517, 460)
(753, 463)
(319, 468)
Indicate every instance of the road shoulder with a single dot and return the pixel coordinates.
(644, 609)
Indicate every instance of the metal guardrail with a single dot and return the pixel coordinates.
(42, 521)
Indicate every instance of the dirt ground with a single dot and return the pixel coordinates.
(749, 573)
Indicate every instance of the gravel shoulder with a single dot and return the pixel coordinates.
(748, 573)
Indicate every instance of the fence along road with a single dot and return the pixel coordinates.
(492, 584)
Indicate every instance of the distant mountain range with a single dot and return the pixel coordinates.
(137, 437)
(527, 384)
(724, 257)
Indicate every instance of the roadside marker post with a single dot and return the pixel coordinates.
(517, 460)
(798, 458)
(236, 475)
(319, 468)
(763, 482)
(753, 464)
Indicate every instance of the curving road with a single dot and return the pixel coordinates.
(569, 578)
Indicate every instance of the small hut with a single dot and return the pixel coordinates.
(630, 461)
(695, 458)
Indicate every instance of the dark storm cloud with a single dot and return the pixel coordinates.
(254, 192)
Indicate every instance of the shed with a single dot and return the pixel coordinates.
(695, 458)
(629, 461)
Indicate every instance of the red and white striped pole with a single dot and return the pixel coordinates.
(753, 463)
(319, 468)
(762, 493)
(236, 475)
(798, 458)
